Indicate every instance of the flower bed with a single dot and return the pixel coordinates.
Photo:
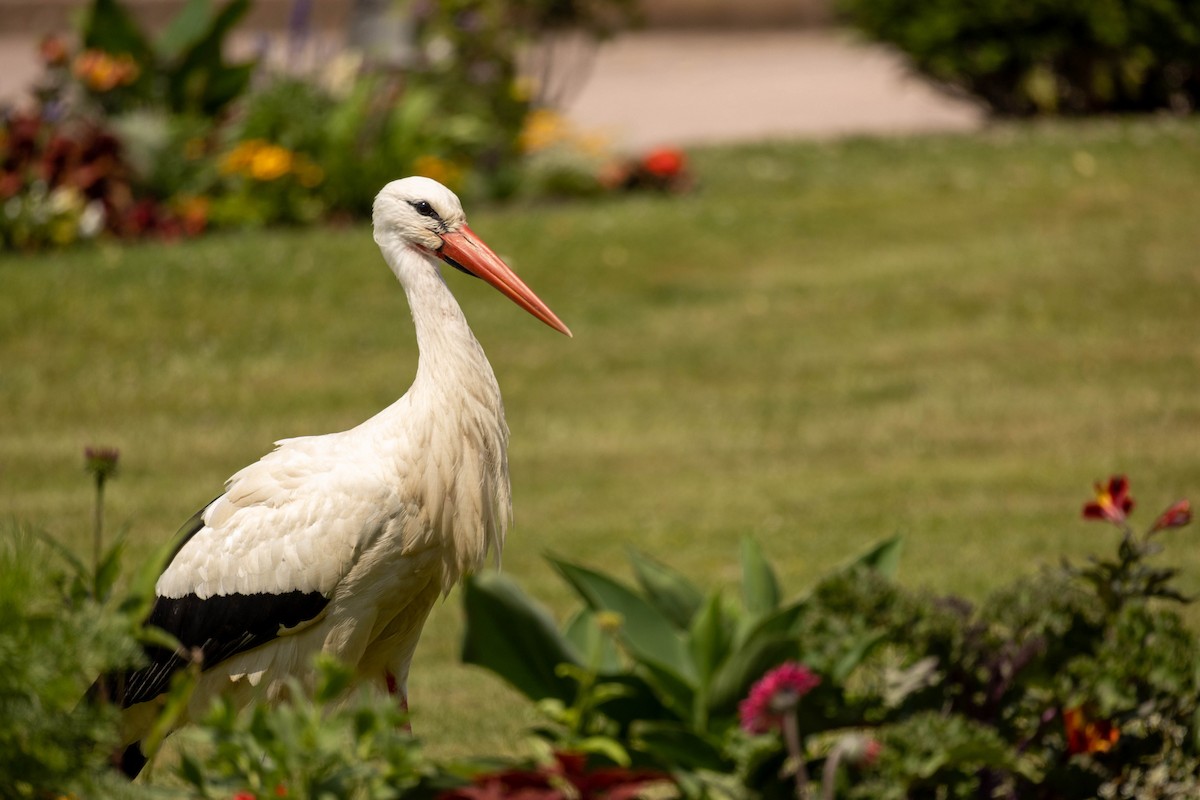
(132, 136)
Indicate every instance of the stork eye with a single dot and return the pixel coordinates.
(424, 209)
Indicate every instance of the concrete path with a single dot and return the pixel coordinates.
(663, 87)
(690, 87)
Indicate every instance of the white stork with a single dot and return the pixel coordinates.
(342, 543)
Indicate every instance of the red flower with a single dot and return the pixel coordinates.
(244, 796)
(664, 163)
(1176, 516)
(775, 693)
(1086, 735)
(568, 777)
(1113, 502)
(53, 50)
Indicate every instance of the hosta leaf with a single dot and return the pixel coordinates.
(747, 664)
(507, 633)
(669, 591)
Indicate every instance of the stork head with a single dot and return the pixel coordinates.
(421, 214)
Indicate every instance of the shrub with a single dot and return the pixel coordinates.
(1048, 56)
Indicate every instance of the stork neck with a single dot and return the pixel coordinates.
(448, 352)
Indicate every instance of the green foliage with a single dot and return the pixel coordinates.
(54, 640)
(1056, 686)
(318, 745)
(182, 70)
(1048, 56)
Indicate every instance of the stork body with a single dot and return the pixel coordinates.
(342, 543)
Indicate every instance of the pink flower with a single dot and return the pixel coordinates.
(1112, 503)
(1176, 516)
(776, 693)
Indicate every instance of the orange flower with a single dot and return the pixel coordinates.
(102, 72)
(1086, 735)
(53, 50)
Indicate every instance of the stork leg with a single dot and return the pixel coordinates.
(398, 690)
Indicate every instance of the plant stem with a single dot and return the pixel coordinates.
(791, 735)
(97, 533)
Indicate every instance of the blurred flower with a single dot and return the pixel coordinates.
(102, 72)
(192, 212)
(270, 162)
(664, 163)
(543, 129)
(53, 50)
(776, 693)
(101, 462)
(1112, 503)
(1176, 516)
(439, 169)
(1086, 735)
(264, 161)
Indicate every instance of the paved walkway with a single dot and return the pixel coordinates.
(660, 87)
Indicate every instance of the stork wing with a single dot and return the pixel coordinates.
(262, 558)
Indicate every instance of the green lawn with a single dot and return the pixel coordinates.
(823, 345)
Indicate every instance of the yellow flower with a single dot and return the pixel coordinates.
(543, 129)
(308, 173)
(270, 162)
(237, 160)
(439, 169)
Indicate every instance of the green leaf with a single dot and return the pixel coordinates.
(669, 591)
(516, 639)
(672, 745)
(595, 645)
(761, 651)
(760, 589)
(709, 639)
(109, 27)
(884, 557)
(646, 633)
(188, 27)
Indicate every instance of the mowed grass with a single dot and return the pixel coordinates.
(948, 338)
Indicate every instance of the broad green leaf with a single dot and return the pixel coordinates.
(594, 645)
(760, 589)
(884, 557)
(627, 698)
(646, 633)
(709, 639)
(674, 745)
(510, 635)
(669, 591)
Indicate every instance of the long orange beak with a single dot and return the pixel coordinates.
(464, 250)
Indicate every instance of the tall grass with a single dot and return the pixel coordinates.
(825, 344)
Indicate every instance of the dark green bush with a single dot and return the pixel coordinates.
(1048, 56)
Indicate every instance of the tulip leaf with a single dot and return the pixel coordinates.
(645, 632)
(669, 591)
(760, 589)
(507, 633)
